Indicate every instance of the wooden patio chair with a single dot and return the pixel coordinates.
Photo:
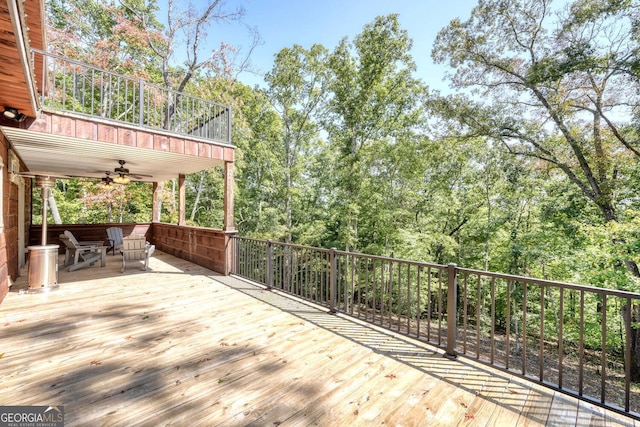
(135, 248)
(75, 241)
(115, 236)
(80, 255)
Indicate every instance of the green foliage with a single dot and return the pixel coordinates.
(83, 201)
(531, 168)
(204, 204)
(375, 100)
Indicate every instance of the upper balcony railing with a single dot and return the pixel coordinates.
(69, 85)
(580, 340)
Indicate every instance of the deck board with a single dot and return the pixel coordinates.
(181, 345)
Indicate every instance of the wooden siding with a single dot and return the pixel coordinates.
(203, 246)
(104, 131)
(9, 232)
(4, 193)
(180, 345)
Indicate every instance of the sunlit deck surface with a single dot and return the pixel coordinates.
(180, 345)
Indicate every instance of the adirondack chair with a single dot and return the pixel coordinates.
(71, 237)
(136, 248)
(115, 238)
(81, 254)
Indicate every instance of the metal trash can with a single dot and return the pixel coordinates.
(43, 268)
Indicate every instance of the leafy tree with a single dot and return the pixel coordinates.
(537, 105)
(256, 131)
(105, 34)
(297, 89)
(374, 98)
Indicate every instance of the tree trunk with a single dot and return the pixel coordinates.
(486, 241)
(54, 209)
(174, 192)
(634, 339)
(198, 193)
(109, 212)
(121, 210)
(287, 201)
(160, 190)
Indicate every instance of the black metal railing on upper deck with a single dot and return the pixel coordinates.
(69, 85)
(581, 340)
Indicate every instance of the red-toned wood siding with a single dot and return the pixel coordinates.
(9, 233)
(130, 136)
(203, 246)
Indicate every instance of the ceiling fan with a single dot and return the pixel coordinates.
(123, 175)
(107, 181)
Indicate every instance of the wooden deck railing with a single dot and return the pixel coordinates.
(73, 86)
(581, 340)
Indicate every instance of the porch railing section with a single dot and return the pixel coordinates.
(69, 85)
(581, 340)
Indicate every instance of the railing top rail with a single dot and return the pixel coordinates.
(398, 260)
(509, 277)
(83, 64)
(514, 278)
(125, 77)
(289, 245)
(294, 246)
(339, 252)
(250, 239)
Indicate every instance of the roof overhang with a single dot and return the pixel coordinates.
(77, 157)
(21, 28)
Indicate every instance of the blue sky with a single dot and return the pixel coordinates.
(283, 23)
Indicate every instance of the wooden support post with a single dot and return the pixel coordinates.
(182, 200)
(230, 253)
(228, 197)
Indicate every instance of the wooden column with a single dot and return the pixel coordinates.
(228, 197)
(182, 199)
(155, 210)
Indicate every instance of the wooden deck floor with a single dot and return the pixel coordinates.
(180, 345)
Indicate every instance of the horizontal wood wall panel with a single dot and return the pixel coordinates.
(129, 135)
(203, 246)
(207, 247)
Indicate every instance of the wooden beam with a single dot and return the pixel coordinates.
(182, 199)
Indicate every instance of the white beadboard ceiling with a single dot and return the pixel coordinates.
(77, 157)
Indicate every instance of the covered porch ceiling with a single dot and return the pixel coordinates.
(77, 157)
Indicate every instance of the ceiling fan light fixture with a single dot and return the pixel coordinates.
(107, 183)
(121, 179)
